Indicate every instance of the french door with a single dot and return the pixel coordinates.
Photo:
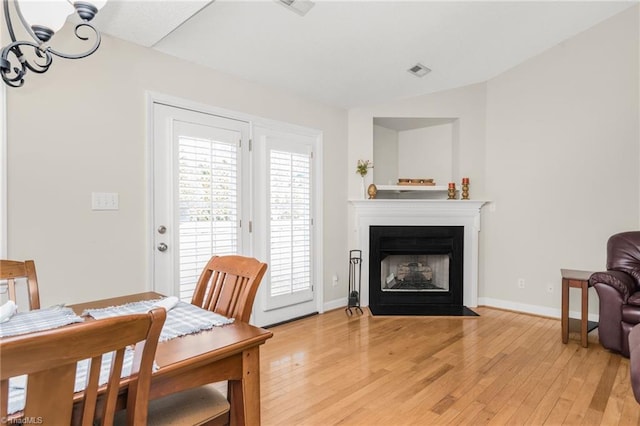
(285, 225)
(216, 192)
(199, 208)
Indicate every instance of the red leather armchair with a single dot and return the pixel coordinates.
(619, 291)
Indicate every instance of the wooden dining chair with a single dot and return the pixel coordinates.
(49, 359)
(227, 286)
(12, 271)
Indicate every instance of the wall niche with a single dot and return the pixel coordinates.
(415, 148)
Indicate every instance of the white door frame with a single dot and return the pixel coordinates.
(4, 175)
(155, 97)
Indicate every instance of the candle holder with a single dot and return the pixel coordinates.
(465, 188)
(451, 192)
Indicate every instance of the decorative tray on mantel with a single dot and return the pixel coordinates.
(415, 187)
(416, 182)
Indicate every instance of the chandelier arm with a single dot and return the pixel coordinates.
(84, 54)
(19, 72)
(13, 63)
(25, 24)
(7, 18)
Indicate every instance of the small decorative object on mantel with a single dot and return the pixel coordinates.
(451, 192)
(465, 188)
(372, 191)
(419, 182)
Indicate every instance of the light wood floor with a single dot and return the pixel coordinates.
(501, 368)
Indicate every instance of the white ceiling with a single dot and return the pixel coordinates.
(355, 53)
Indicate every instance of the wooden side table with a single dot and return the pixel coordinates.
(576, 279)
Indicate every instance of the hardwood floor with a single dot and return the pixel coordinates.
(501, 368)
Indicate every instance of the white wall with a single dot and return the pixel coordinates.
(427, 153)
(385, 155)
(562, 163)
(81, 127)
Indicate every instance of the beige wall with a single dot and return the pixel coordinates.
(563, 149)
(555, 145)
(81, 127)
(426, 153)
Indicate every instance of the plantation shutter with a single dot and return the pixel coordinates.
(290, 222)
(208, 192)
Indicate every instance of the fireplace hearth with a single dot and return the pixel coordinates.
(416, 270)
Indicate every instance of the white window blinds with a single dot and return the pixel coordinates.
(208, 205)
(290, 222)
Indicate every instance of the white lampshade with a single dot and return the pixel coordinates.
(48, 13)
(99, 4)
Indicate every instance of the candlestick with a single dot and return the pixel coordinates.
(451, 192)
(465, 188)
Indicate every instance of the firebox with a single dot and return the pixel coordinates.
(416, 270)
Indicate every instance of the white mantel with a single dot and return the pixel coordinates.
(411, 212)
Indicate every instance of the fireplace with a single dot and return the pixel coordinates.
(416, 270)
(421, 213)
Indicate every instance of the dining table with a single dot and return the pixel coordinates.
(223, 353)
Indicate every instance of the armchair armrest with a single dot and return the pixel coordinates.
(624, 283)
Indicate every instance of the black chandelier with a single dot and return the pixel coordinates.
(41, 20)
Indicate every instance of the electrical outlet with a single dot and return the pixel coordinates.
(520, 282)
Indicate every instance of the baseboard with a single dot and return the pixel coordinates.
(335, 304)
(525, 308)
(530, 309)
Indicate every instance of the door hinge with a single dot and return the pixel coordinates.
(311, 221)
(250, 226)
(250, 145)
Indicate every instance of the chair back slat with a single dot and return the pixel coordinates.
(49, 359)
(14, 272)
(91, 391)
(228, 285)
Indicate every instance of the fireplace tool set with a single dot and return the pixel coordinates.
(355, 281)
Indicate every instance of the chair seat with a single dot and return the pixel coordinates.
(191, 407)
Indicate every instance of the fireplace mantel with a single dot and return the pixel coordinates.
(412, 212)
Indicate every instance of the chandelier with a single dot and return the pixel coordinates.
(41, 19)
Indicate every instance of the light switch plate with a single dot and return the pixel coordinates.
(104, 201)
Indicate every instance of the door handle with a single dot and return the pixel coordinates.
(162, 247)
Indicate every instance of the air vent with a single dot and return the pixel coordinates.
(419, 70)
(301, 7)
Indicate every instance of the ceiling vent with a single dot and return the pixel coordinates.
(419, 70)
(301, 7)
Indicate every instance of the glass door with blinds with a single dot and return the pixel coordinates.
(285, 223)
(199, 202)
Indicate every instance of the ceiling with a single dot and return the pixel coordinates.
(354, 53)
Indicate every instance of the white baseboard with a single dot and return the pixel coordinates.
(335, 304)
(492, 303)
(530, 309)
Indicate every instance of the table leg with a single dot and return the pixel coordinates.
(244, 394)
(584, 318)
(564, 319)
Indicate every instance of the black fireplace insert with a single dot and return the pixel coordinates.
(416, 270)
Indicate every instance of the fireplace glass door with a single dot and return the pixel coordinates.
(423, 273)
